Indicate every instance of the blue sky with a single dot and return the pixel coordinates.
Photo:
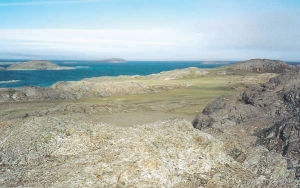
(150, 29)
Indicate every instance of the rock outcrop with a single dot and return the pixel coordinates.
(265, 115)
(2, 68)
(37, 65)
(263, 65)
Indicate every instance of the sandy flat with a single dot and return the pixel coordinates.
(135, 118)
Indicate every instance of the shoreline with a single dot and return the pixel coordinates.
(99, 77)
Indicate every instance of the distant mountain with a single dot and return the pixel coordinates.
(37, 65)
(113, 60)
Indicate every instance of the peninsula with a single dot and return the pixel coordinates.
(37, 65)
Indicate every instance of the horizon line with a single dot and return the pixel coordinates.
(142, 60)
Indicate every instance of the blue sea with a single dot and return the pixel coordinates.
(88, 69)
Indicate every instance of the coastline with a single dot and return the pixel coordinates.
(89, 70)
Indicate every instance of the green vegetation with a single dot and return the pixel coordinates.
(202, 90)
(187, 101)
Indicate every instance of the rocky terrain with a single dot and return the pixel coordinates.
(37, 65)
(264, 115)
(268, 114)
(249, 138)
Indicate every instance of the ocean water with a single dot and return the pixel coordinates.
(86, 69)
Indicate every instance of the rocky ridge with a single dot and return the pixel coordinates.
(178, 74)
(100, 87)
(262, 65)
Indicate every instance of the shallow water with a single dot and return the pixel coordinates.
(86, 69)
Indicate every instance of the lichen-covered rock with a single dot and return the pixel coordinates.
(63, 151)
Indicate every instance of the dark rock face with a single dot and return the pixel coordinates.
(268, 111)
(262, 65)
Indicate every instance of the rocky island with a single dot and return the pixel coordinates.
(181, 128)
(113, 60)
(37, 65)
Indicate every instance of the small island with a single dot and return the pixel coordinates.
(37, 65)
(113, 60)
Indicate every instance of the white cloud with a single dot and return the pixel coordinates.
(265, 35)
(265, 31)
(241, 36)
(89, 41)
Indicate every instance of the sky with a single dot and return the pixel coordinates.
(150, 29)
